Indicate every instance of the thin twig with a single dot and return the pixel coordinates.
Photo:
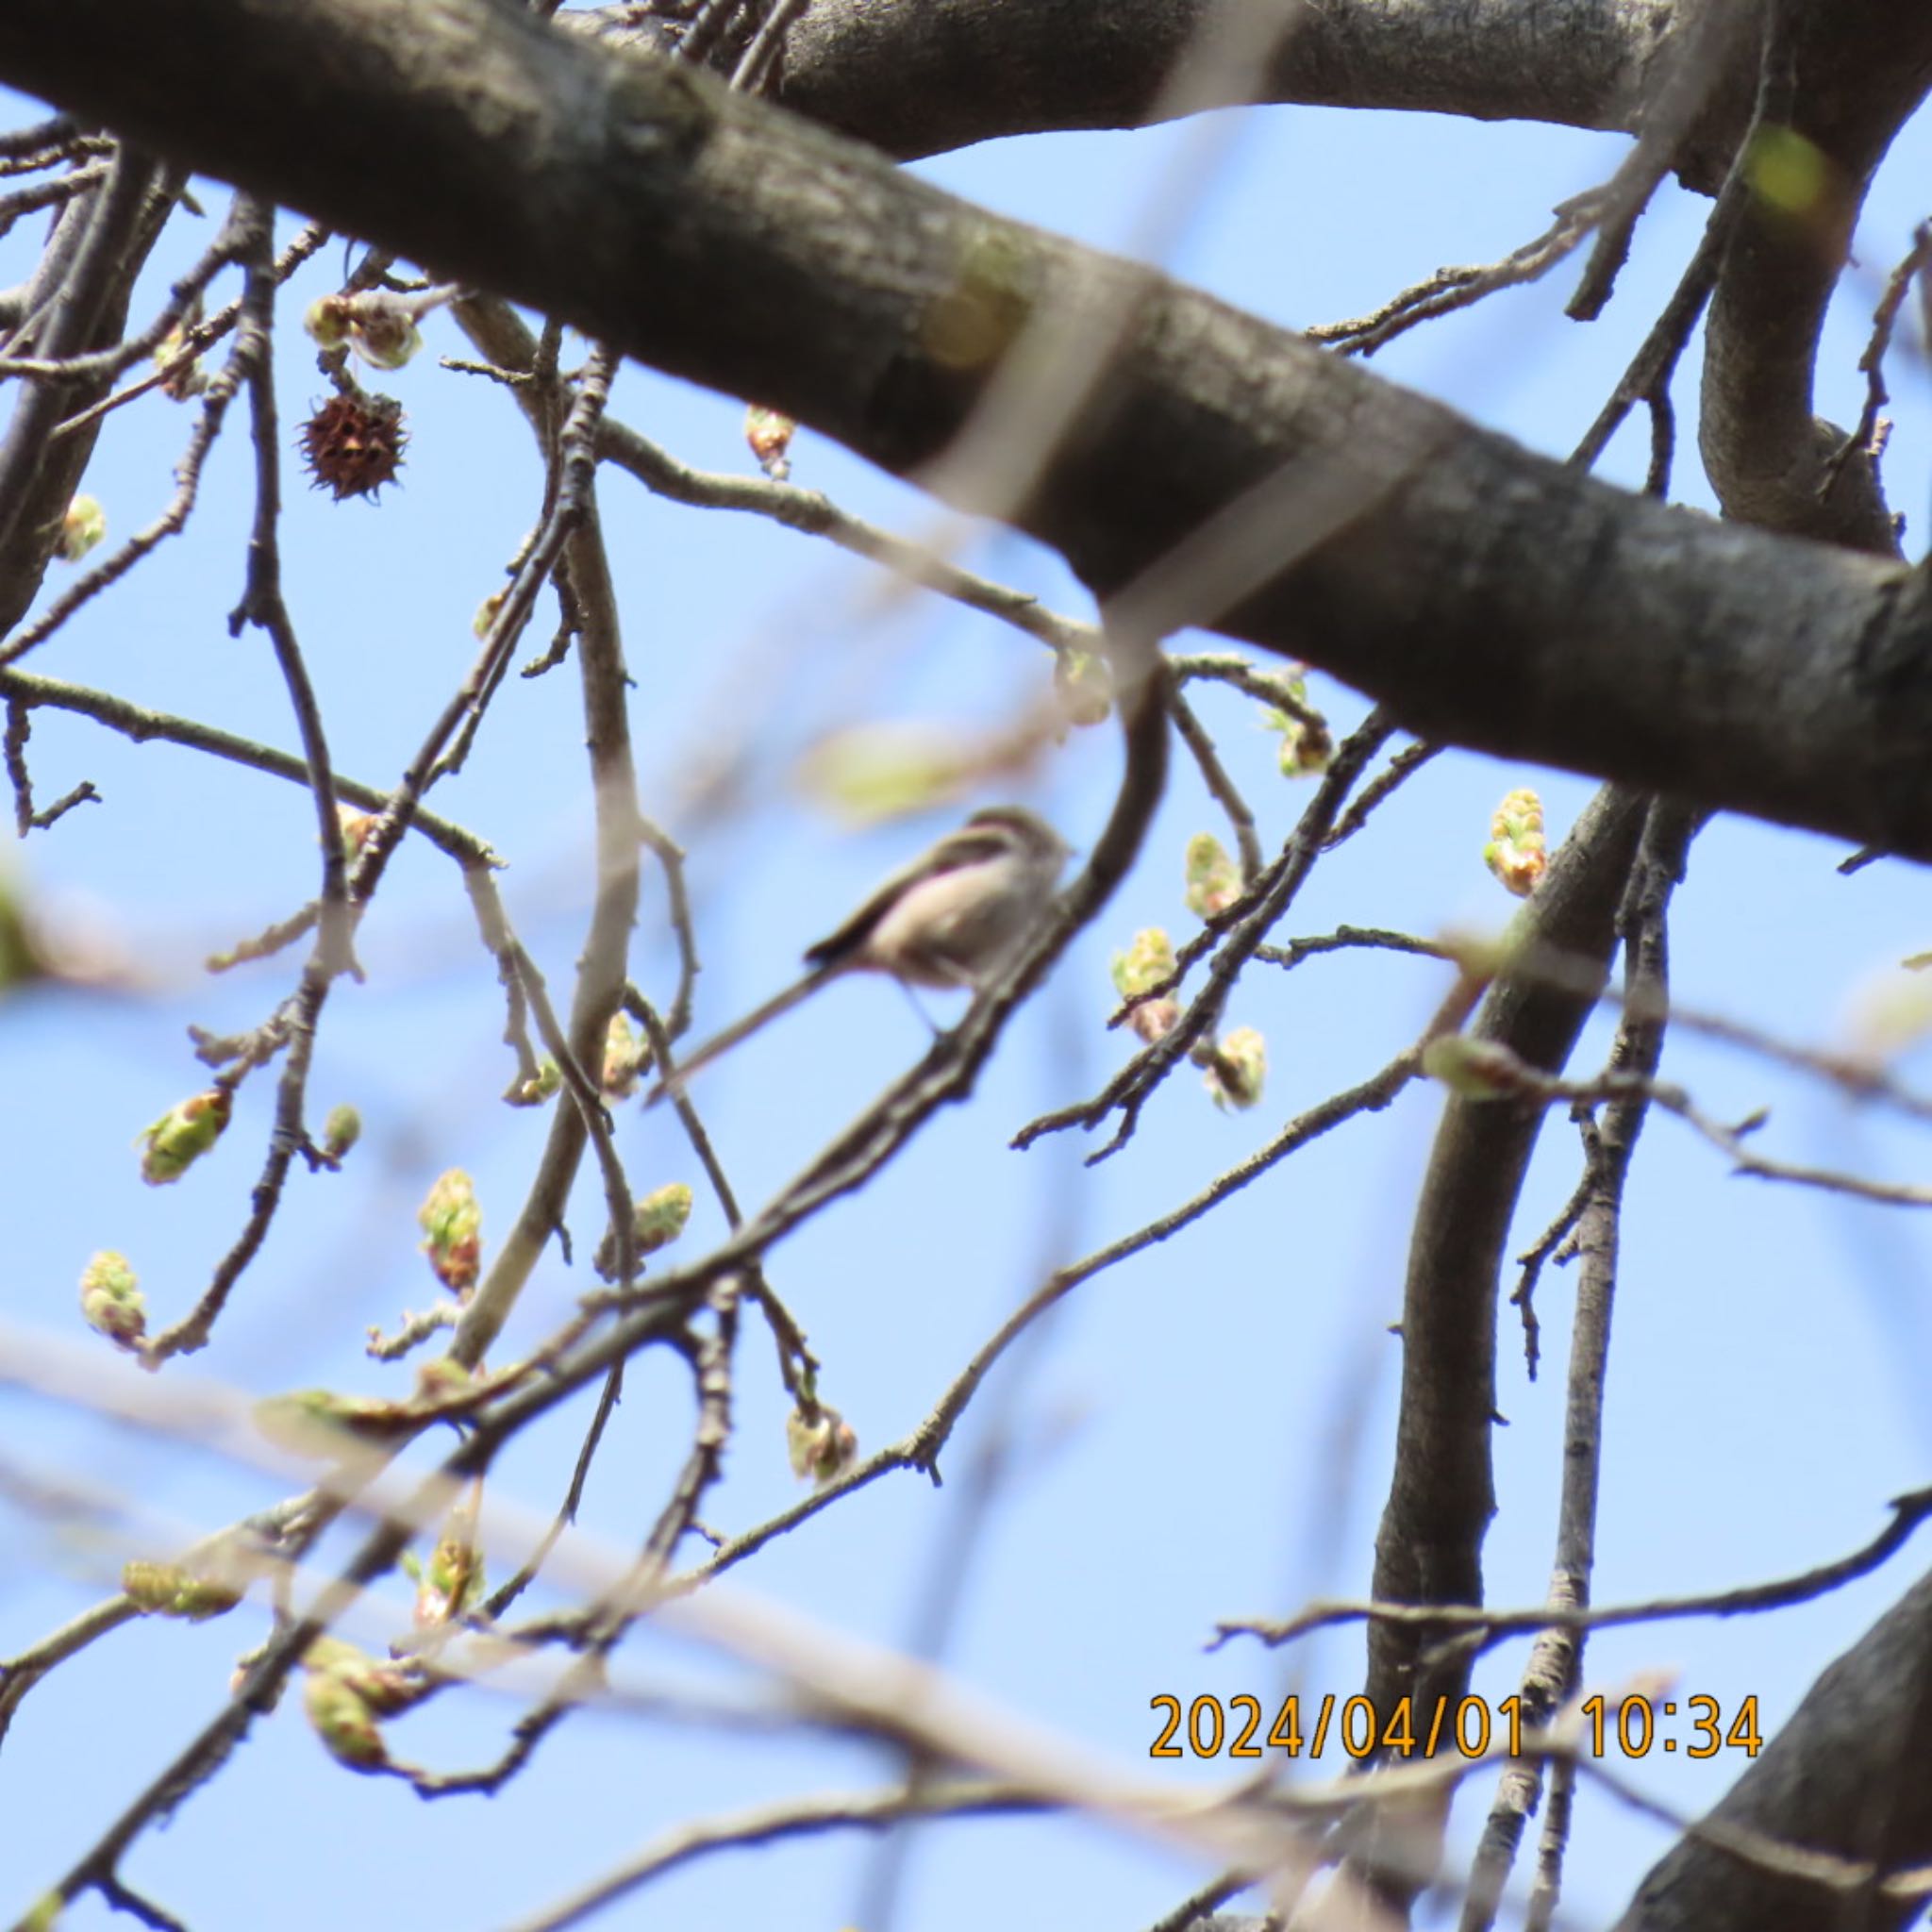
(1554, 1668)
(1130, 1088)
(1220, 788)
(816, 515)
(262, 606)
(1490, 1625)
(195, 341)
(1898, 284)
(27, 201)
(136, 721)
(1450, 288)
(789, 1818)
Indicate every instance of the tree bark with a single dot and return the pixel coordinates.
(1489, 596)
(1845, 1776)
(923, 76)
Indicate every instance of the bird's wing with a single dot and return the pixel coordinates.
(969, 846)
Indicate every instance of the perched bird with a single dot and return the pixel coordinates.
(951, 917)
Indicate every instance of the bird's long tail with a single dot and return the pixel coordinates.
(743, 1028)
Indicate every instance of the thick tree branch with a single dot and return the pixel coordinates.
(1841, 78)
(1429, 1548)
(80, 295)
(1844, 1776)
(922, 76)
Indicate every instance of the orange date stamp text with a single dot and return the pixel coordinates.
(1243, 1727)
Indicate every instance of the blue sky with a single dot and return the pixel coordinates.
(1199, 1434)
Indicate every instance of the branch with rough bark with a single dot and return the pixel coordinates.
(1489, 597)
(920, 77)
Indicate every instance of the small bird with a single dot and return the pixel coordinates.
(952, 918)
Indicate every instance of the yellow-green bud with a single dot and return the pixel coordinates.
(661, 1216)
(376, 322)
(112, 1301)
(1084, 687)
(1306, 743)
(450, 1582)
(385, 1688)
(167, 1589)
(328, 319)
(383, 331)
(309, 1422)
(1517, 853)
(624, 1055)
(452, 1221)
(1239, 1071)
(1145, 964)
(658, 1220)
(441, 1380)
(81, 529)
(354, 828)
(821, 1445)
(343, 1721)
(341, 1130)
(1475, 1069)
(1213, 883)
(486, 612)
(191, 379)
(330, 1653)
(536, 1090)
(182, 1135)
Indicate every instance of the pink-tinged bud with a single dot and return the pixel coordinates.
(624, 1057)
(1084, 687)
(770, 436)
(1213, 883)
(821, 1444)
(81, 529)
(452, 1222)
(378, 323)
(354, 828)
(1475, 1069)
(168, 1590)
(442, 1379)
(1517, 853)
(384, 1687)
(1239, 1071)
(174, 1143)
(189, 380)
(452, 1580)
(112, 1301)
(1306, 743)
(1154, 1020)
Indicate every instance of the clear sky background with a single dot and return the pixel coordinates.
(1202, 1433)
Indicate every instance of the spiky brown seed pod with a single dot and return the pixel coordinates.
(353, 444)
